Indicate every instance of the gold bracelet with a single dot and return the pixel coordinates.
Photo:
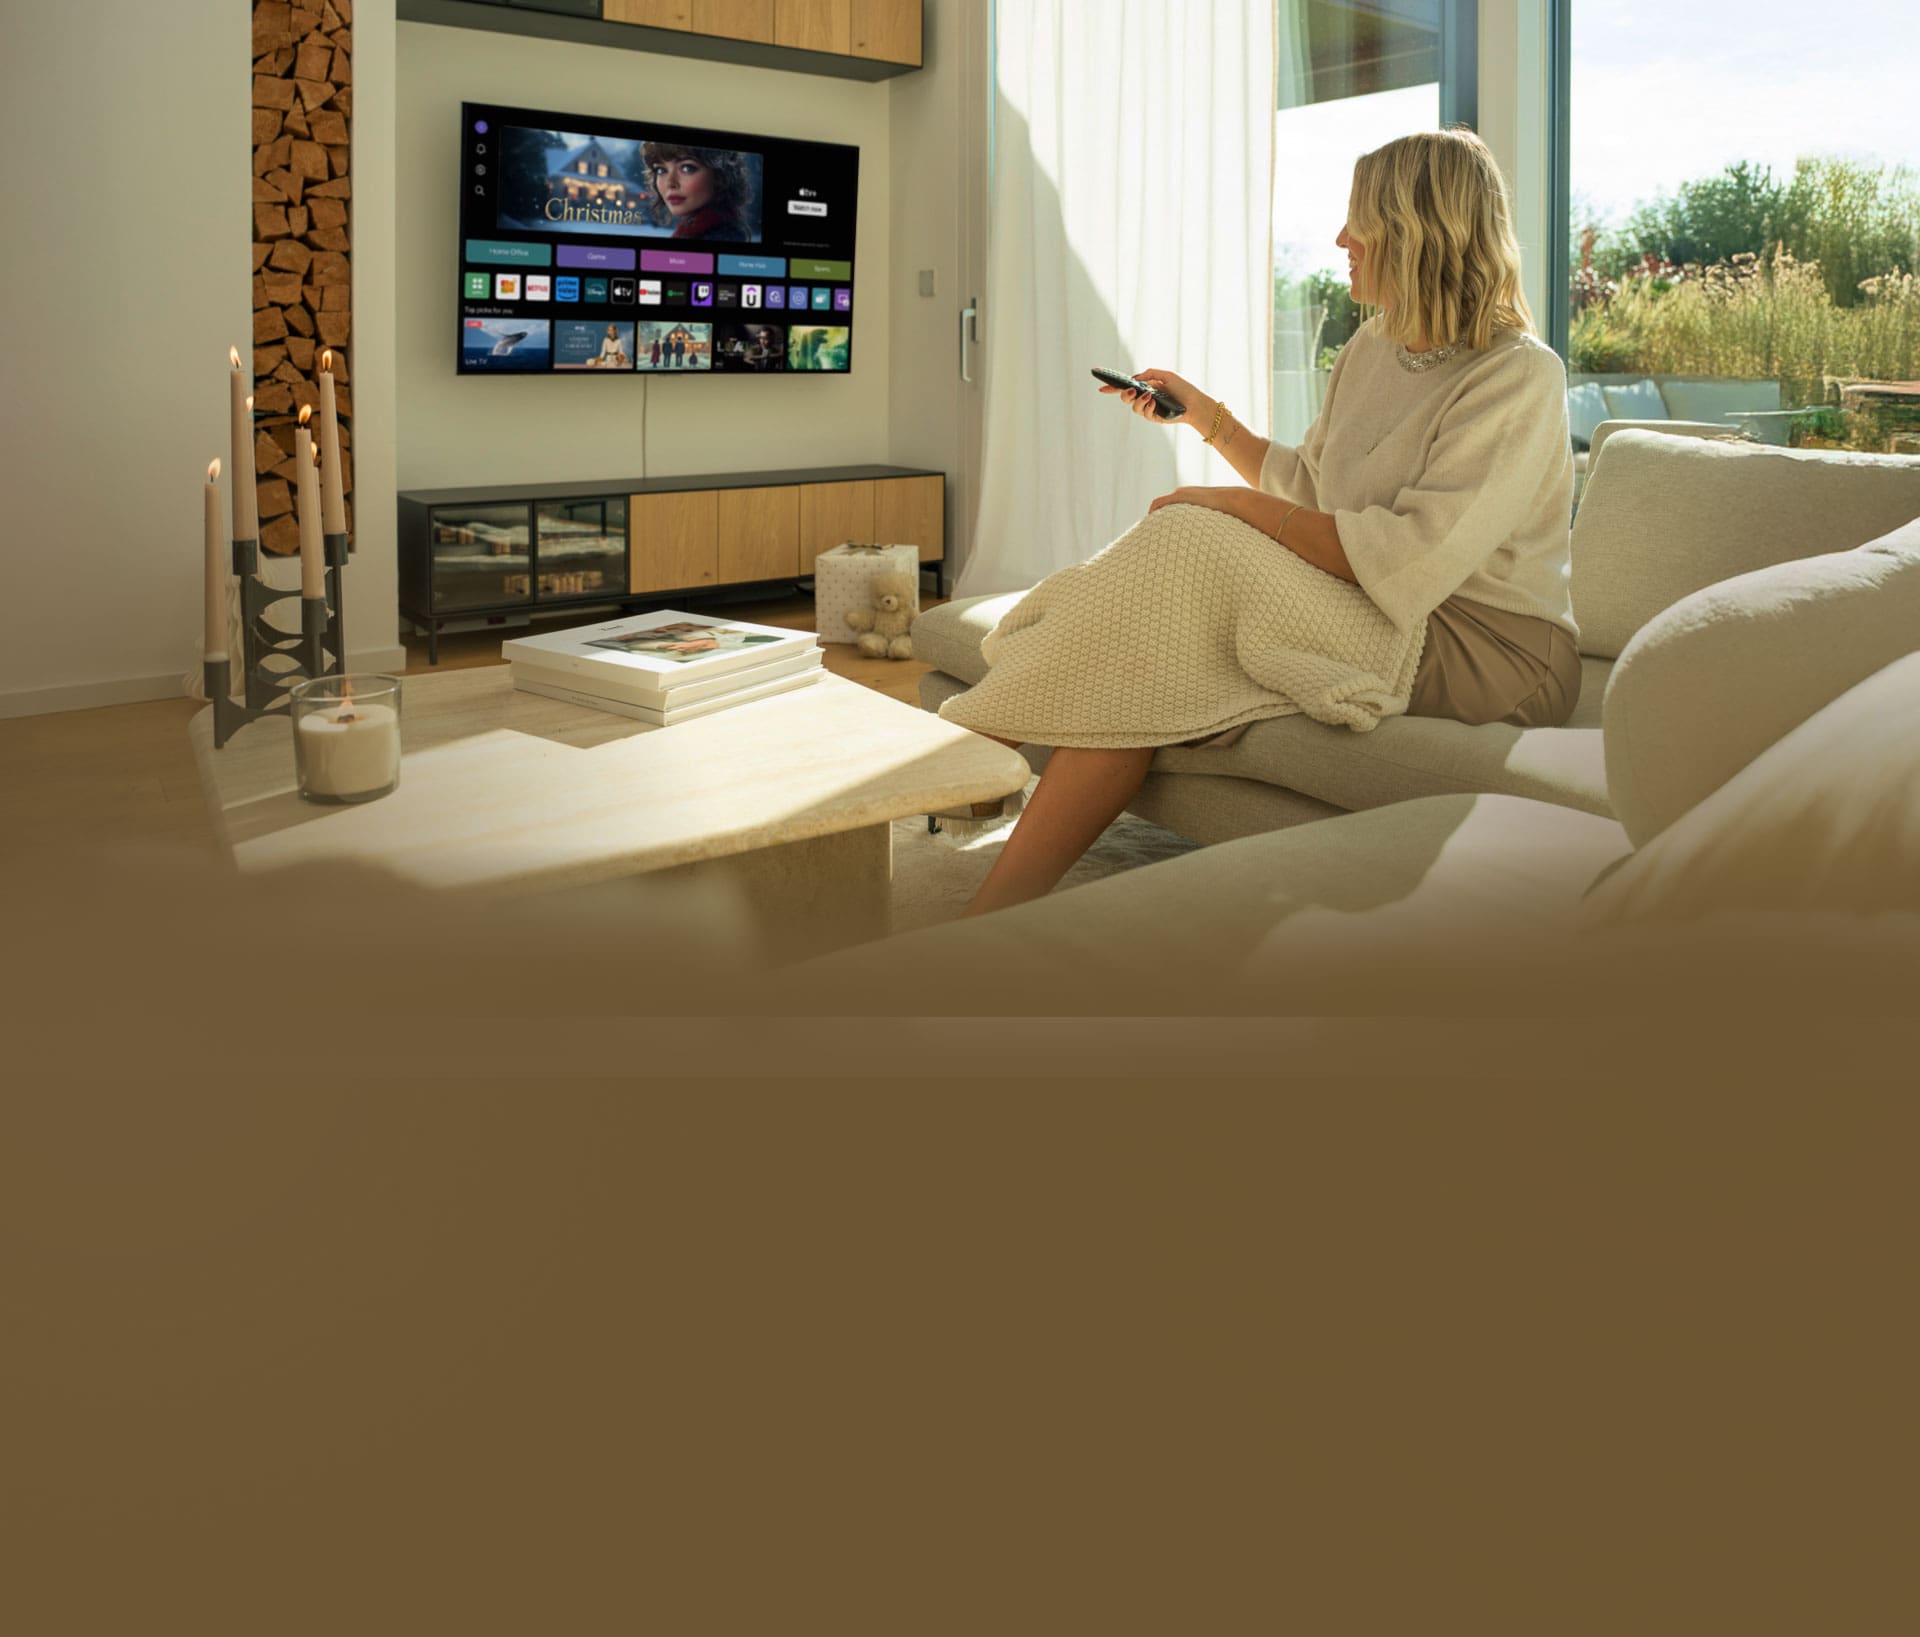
(1279, 532)
(1219, 409)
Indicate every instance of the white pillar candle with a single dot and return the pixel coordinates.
(246, 503)
(350, 749)
(307, 508)
(333, 509)
(216, 606)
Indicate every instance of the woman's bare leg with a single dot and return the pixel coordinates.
(1079, 795)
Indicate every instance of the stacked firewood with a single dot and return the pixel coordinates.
(302, 282)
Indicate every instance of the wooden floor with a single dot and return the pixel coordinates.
(124, 773)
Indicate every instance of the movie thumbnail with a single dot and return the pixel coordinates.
(757, 347)
(826, 347)
(518, 344)
(583, 182)
(591, 343)
(669, 344)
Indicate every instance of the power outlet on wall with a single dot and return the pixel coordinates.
(926, 281)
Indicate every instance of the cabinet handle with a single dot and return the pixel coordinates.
(969, 318)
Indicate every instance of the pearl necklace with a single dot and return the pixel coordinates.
(1416, 362)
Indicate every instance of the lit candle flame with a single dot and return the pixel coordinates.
(213, 471)
(233, 353)
(316, 453)
(306, 413)
(326, 360)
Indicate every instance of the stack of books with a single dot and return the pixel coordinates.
(667, 667)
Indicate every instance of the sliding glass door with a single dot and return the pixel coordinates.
(1351, 75)
(1742, 187)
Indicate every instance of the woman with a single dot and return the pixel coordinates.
(705, 192)
(1437, 478)
(611, 355)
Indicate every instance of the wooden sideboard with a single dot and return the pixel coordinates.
(511, 549)
(850, 39)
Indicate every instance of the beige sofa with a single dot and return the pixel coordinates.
(1738, 841)
(1664, 516)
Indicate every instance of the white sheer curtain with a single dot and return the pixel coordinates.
(1130, 228)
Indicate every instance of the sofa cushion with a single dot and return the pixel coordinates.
(1406, 757)
(1639, 402)
(1662, 517)
(1712, 400)
(1825, 820)
(1202, 932)
(1707, 685)
(1403, 758)
(1586, 409)
(948, 637)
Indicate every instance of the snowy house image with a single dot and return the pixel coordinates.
(587, 174)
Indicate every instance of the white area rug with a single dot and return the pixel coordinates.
(934, 876)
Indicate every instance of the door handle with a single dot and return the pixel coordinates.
(969, 320)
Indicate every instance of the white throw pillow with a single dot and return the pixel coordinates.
(1639, 402)
(1827, 820)
(1586, 409)
(1663, 516)
(1705, 686)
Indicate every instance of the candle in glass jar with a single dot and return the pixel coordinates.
(350, 749)
(246, 512)
(333, 510)
(307, 508)
(216, 605)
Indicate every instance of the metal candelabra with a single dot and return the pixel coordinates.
(318, 648)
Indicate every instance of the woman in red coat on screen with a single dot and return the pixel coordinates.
(706, 193)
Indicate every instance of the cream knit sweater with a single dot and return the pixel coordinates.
(1458, 479)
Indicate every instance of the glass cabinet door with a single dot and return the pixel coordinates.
(482, 556)
(582, 548)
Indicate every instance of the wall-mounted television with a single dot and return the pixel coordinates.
(593, 245)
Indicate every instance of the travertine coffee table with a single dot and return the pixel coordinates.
(791, 797)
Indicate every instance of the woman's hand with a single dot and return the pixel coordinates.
(1233, 501)
(1199, 407)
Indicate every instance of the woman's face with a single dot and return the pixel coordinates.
(1359, 279)
(684, 184)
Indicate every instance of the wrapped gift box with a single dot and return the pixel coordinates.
(841, 577)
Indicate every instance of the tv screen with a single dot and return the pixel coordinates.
(591, 245)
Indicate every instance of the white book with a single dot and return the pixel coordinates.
(639, 689)
(679, 713)
(664, 651)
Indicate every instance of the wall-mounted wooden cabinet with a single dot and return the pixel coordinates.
(527, 548)
(848, 39)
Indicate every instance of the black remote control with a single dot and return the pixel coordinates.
(1166, 407)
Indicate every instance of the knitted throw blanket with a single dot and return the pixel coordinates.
(1190, 623)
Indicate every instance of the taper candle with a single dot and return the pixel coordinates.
(307, 499)
(216, 568)
(246, 504)
(333, 510)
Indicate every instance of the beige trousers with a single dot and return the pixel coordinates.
(1483, 665)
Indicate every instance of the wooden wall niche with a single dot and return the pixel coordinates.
(302, 239)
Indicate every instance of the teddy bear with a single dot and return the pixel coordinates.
(883, 627)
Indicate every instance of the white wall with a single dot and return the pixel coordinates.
(126, 269)
(122, 301)
(461, 430)
(938, 133)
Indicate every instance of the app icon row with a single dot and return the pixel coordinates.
(819, 298)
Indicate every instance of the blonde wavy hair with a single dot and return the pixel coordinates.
(1431, 210)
